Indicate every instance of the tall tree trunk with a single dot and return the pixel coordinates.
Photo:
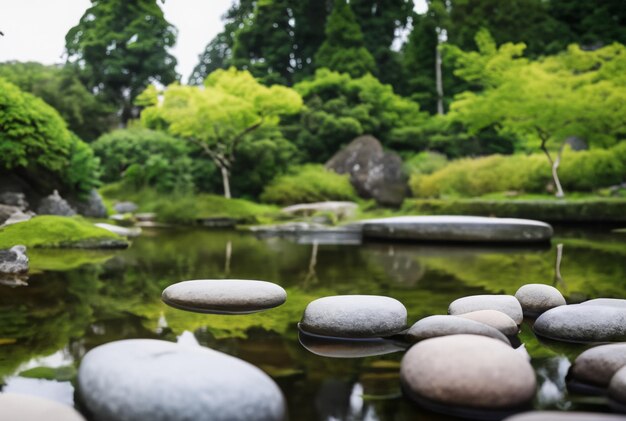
(439, 81)
(226, 181)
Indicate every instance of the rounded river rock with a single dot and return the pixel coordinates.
(145, 379)
(597, 365)
(507, 304)
(495, 319)
(434, 326)
(234, 296)
(354, 316)
(18, 407)
(583, 323)
(538, 298)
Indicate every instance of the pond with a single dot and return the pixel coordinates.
(77, 300)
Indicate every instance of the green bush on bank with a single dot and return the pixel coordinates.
(579, 171)
(307, 184)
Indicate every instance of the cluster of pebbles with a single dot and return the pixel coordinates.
(462, 363)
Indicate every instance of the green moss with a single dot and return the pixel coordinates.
(57, 231)
(46, 259)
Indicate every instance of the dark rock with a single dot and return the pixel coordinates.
(507, 304)
(374, 173)
(577, 143)
(16, 199)
(596, 366)
(538, 298)
(55, 205)
(434, 326)
(144, 379)
(14, 260)
(224, 296)
(14, 406)
(6, 211)
(564, 416)
(458, 229)
(354, 316)
(467, 372)
(125, 207)
(495, 319)
(583, 323)
(92, 206)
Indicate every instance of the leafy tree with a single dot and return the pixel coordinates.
(344, 49)
(61, 88)
(339, 108)
(121, 46)
(543, 102)
(218, 118)
(35, 143)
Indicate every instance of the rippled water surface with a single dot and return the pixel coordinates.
(76, 300)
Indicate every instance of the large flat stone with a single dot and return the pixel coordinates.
(354, 316)
(597, 365)
(458, 228)
(495, 319)
(144, 379)
(434, 326)
(538, 298)
(506, 304)
(467, 371)
(583, 323)
(224, 296)
(18, 407)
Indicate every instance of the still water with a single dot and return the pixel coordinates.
(77, 300)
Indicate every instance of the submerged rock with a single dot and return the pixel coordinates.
(564, 416)
(495, 319)
(583, 323)
(462, 374)
(123, 231)
(617, 390)
(55, 205)
(538, 298)
(458, 229)
(596, 366)
(224, 296)
(145, 379)
(434, 326)
(506, 304)
(14, 261)
(348, 348)
(14, 406)
(354, 316)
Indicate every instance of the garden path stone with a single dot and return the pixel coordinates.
(507, 304)
(538, 298)
(14, 406)
(467, 371)
(220, 296)
(354, 316)
(583, 323)
(434, 326)
(495, 319)
(457, 228)
(146, 379)
(598, 365)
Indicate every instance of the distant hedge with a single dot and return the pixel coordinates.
(579, 171)
(307, 184)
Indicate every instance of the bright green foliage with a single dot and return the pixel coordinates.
(231, 107)
(143, 158)
(53, 231)
(339, 108)
(61, 88)
(307, 184)
(344, 49)
(580, 171)
(424, 163)
(576, 93)
(122, 46)
(34, 138)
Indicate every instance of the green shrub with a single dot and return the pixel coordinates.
(424, 163)
(308, 183)
(579, 171)
(34, 138)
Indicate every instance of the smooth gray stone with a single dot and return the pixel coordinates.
(564, 416)
(18, 407)
(507, 304)
(342, 210)
(598, 365)
(583, 323)
(468, 371)
(224, 296)
(434, 326)
(354, 316)
(125, 207)
(458, 228)
(608, 302)
(145, 379)
(116, 229)
(495, 319)
(617, 387)
(538, 298)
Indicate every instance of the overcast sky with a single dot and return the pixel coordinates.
(34, 30)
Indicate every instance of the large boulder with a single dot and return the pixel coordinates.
(55, 205)
(374, 173)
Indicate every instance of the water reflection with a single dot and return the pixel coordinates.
(75, 301)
